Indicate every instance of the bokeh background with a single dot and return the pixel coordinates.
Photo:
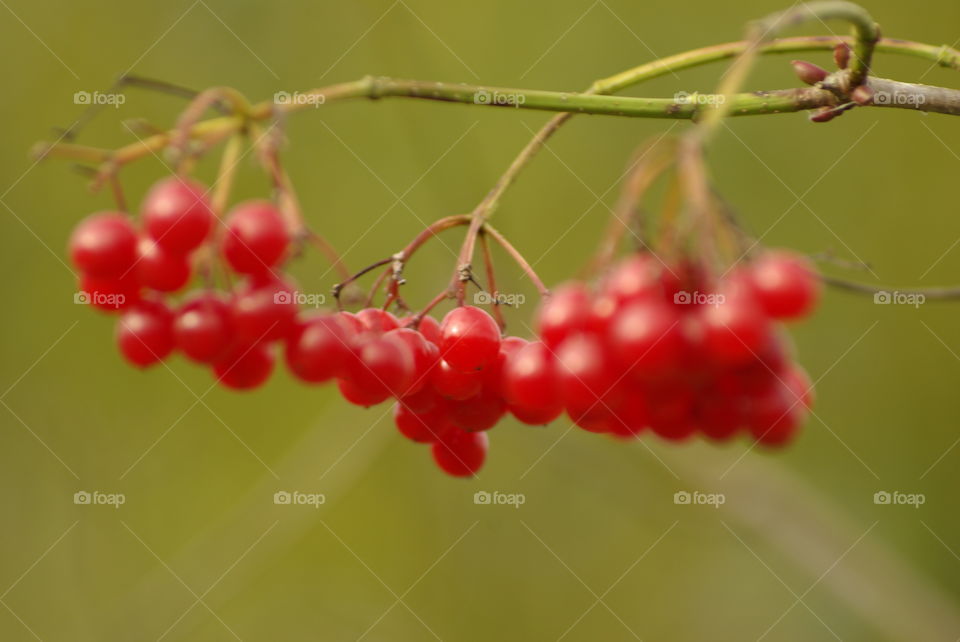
(599, 550)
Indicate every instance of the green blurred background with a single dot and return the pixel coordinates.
(599, 550)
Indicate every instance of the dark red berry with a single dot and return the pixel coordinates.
(531, 382)
(319, 348)
(263, 310)
(202, 328)
(160, 269)
(565, 312)
(460, 453)
(245, 367)
(785, 284)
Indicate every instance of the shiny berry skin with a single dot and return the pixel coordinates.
(145, 333)
(480, 412)
(319, 348)
(256, 237)
(535, 416)
(244, 367)
(383, 366)
(429, 328)
(109, 295)
(160, 269)
(377, 320)
(423, 428)
(470, 338)
(531, 381)
(425, 358)
(263, 310)
(104, 245)
(565, 312)
(647, 337)
(586, 375)
(785, 285)
(176, 214)
(736, 329)
(202, 328)
(454, 384)
(459, 453)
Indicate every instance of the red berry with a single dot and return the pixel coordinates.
(531, 382)
(177, 214)
(648, 337)
(736, 329)
(202, 328)
(109, 295)
(145, 333)
(470, 338)
(377, 320)
(383, 366)
(160, 269)
(244, 367)
(256, 237)
(319, 348)
(786, 285)
(480, 412)
(104, 245)
(586, 375)
(263, 310)
(636, 278)
(460, 453)
(422, 428)
(565, 312)
(425, 358)
(454, 384)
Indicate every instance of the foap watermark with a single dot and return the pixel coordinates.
(686, 98)
(484, 97)
(100, 299)
(500, 298)
(697, 498)
(698, 298)
(298, 98)
(897, 498)
(496, 498)
(898, 98)
(916, 299)
(296, 498)
(97, 498)
(98, 98)
(309, 299)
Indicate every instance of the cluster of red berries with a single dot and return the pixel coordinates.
(650, 347)
(130, 271)
(659, 347)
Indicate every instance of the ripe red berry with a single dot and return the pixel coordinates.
(459, 453)
(383, 366)
(377, 320)
(160, 269)
(429, 328)
(263, 310)
(109, 295)
(634, 279)
(319, 348)
(145, 333)
(256, 237)
(786, 285)
(425, 358)
(531, 382)
(104, 245)
(202, 328)
(244, 367)
(480, 412)
(586, 375)
(647, 336)
(422, 428)
(177, 214)
(470, 338)
(454, 384)
(565, 312)
(736, 329)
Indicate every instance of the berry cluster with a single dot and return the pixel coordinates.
(131, 270)
(651, 346)
(656, 347)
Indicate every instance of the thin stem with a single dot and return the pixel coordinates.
(944, 293)
(492, 283)
(518, 258)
